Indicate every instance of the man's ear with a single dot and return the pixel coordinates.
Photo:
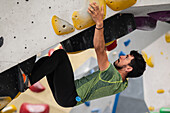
(129, 68)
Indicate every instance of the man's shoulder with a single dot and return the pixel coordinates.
(110, 74)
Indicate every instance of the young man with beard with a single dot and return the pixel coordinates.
(109, 80)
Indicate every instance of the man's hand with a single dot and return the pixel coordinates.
(96, 14)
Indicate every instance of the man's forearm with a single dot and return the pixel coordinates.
(98, 41)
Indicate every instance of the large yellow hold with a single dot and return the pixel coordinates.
(118, 5)
(61, 26)
(82, 19)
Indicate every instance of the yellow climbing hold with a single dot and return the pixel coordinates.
(162, 53)
(118, 5)
(61, 26)
(106, 44)
(151, 108)
(167, 37)
(160, 91)
(17, 95)
(149, 61)
(4, 101)
(82, 19)
(10, 109)
(145, 56)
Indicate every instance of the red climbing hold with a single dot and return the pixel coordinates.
(37, 87)
(34, 108)
(112, 46)
(60, 47)
(50, 52)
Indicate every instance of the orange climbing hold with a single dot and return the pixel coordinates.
(160, 91)
(118, 5)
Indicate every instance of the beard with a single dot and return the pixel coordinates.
(117, 67)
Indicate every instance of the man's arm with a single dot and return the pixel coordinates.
(98, 41)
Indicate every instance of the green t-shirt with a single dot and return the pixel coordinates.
(100, 84)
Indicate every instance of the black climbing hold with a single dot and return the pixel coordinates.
(1, 41)
(168, 22)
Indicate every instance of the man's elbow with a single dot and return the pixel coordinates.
(99, 48)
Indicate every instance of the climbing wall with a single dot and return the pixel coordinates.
(26, 28)
(156, 78)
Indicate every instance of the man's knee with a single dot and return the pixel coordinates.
(67, 104)
(59, 52)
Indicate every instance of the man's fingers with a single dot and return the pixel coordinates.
(88, 11)
(102, 10)
(94, 6)
(91, 9)
(91, 12)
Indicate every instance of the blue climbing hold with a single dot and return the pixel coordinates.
(126, 43)
(87, 103)
(121, 53)
(96, 110)
(92, 71)
(78, 99)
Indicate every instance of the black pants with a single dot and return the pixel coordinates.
(59, 73)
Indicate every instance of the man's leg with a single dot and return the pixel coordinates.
(60, 77)
(61, 82)
(35, 78)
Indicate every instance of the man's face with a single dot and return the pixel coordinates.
(123, 61)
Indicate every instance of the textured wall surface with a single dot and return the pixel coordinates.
(27, 30)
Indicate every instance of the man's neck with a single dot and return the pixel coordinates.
(123, 74)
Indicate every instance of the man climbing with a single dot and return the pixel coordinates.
(109, 80)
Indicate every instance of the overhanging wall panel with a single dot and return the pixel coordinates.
(26, 26)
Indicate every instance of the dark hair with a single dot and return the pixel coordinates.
(138, 64)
